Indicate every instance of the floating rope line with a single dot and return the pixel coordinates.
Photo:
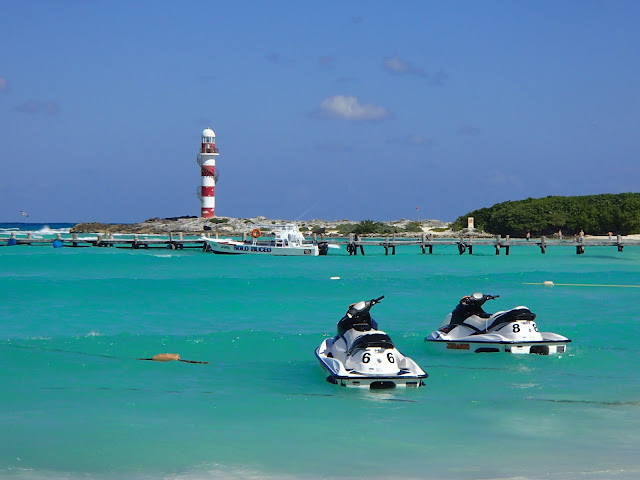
(551, 284)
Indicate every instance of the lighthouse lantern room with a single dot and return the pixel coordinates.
(208, 173)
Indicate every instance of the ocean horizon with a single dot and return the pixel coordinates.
(35, 227)
(78, 403)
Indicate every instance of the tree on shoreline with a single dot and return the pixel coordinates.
(595, 214)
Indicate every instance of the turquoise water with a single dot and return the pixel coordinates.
(75, 402)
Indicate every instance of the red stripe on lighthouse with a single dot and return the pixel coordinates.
(208, 170)
(206, 212)
(208, 191)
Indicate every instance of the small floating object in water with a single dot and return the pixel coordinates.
(547, 283)
(169, 357)
(335, 278)
(165, 357)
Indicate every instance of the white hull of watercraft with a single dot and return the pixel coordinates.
(546, 346)
(233, 247)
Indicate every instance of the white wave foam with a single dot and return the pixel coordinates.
(46, 230)
(34, 231)
(221, 472)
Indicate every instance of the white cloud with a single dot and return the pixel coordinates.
(348, 108)
(398, 66)
(418, 140)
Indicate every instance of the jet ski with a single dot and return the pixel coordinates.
(468, 328)
(360, 355)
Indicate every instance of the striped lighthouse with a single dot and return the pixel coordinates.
(208, 173)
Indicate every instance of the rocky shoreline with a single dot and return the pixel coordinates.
(238, 226)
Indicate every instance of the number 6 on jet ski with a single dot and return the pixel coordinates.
(360, 355)
(468, 328)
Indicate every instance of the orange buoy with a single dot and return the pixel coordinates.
(255, 233)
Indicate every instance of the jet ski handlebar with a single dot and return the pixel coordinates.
(477, 299)
(358, 314)
(362, 308)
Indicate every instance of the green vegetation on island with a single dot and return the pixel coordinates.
(594, 214)
(367, 227)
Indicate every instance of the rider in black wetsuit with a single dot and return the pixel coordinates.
(468, 306)
(358, 313)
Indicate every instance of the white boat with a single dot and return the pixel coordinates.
(360, 355)
(468, 328)
(279, 240)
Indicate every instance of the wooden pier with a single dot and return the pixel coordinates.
(466, 244)
(353, 243)
(172, 241)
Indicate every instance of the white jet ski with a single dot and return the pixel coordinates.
(468, 328)
(360, 355)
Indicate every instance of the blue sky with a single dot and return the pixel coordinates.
(336, 110)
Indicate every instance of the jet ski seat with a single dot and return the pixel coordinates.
(373, 340)
(513, 315)
(359, 324)
(362, 327)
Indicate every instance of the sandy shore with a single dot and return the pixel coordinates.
(237, 226)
